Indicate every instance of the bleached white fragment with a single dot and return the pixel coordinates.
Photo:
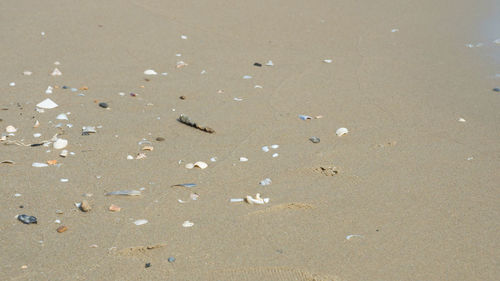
(12, 84)
(247, 77)
(184, 37)
(10, 129)
(64, 180)
(394, 30)
(270, 63)
(37, 135)
(47, 104)
(341, 131)
(62, 116)
(140, 222)
(150, 72)
(130, 157)
(60, 144)
(265, 148)
(187, 224)
(461, 120)
(328, 61)
(243, 159)
(266, 181)
(49, 90)
(275, 146)
(275, 155)
(56, 72)
(39, 165)
(349, 237)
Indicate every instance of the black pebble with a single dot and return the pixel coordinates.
(160, 139)
(258, 64)
(103, 105)
(496, 89)
(148, 265)
(171, 259)
(21, 206)
(64, 87)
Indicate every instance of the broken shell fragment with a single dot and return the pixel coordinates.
(185, 184)
(51, 162)
(47, 104)
(341, 131)
(39, 165)
(140, 222)
(314, 139)
(62, 229)
(189, 166)
(114, 208)
(265, 182)
(27, 219)
(187, 224)
(10, 129)
(257, 200)
(62, 116)
(124, 192)
(201, 165)
(86, 130)
(85, 206)
(150, 72)
(64, 153)
(148, 148)
(56, 72)
(140, 156)
(60, 143)
(305, 117)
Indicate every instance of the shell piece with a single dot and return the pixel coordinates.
(327, 61)
(52, 162)
(10, 129)
(236, 200)
(140, 222)
(56, 72)
(275, 146)
(150, 72)
(85, 206)
(148, 148)
(243, 159)
(27, 219)
(201, 165)
(257, 200)
(314, 139)
(64, 153)
(124, 192)
(39, 165)
(47, 104)
(62, 229)
(266, 181)
(62, 116)
(185, 184)
(187, 224)
(305, 117)
(265, 148)
(341, 131)
(60, 144)
(189, 166)
(114, 208)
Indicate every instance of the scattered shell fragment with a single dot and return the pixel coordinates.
(85, 206)
(194, 196)
(7, 162)
(185, 184)
(62, 116)
(265, 148)
(200, 164)
(10, 129)
(56, 72)
(140, 222)
(86, 130)
(62, 229)
(187, 224)
(64, 153)
(341, 131)
(27, 219)
(266, 181)
(275, 155)
(140, 156)
(257, 200)
(349, 237)
(148, 148)
(52, 162)
(37, 123)
(49, 90)
(236, 200)
(27, 72)
(39, 165)
(461, 120)
(124, 192)
(189, 166)
(314, 139)
(328, 61)
(150, 72)
(243, 159)
(305, 117)
(60, 144)
(270, 63)
(64, 180)
(247, 77)
(114, 208)
(24, 267)
(186, 120)
(47, 104)
(180, 64)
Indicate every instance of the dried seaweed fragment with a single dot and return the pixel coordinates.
(186, 120)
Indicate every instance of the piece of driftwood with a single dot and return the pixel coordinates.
(186, 120)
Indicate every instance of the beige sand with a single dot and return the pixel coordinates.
(404, 185)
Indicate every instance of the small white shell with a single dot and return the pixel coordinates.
(62, 116)
(140, 222)
(257, 200)
(39, 165)
(243, 159)
(275, 146)
(130, 157)
(201, 165)
(47, 104)
(150, 72)
(461, 120)
(265, 148)
(60, 143)
(341, 131)
(187, 224)
(56, 72)
(265, 182)
(189, 166)
(275, 155)
(327, 61)
(10, 129)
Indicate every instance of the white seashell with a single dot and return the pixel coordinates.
(341, 131)
(39, 165)
(270, 63)
(305, 117)
(461, 120)
(64, 153)
(349, 237)
(187, 224)
(243, 159)
(275, 155)
(27, 72)
(236, 200)
(265, 148)
(12, 84)
(275, 146)
(257, 200)
(180, 64)
(247, 77)
(265, 182)
(56, 72)
(140, 222)
(394, 30)
(189, 166)
(184, 37)
(150, 72)
(10, 129)
(47, 104)
(37, 124)
(49, 90)
(258, 87)
(327, 61)
(201, 165)
(60, 143)
(57, 221)
(37, 135)
(130, 157)
(213, 159)
(62, 116)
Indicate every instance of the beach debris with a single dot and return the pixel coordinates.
(258, 87)
(37, 135)
(47, 104)
(496, 89)
(237, 99)
(275, 146)
(187, 224)
(182, 97)
(37, 124)
(180, 64)
(150, 72)
(328, 171)
(461, 120)
(140, 156)
(171, 259)
(64, 180)
(87, 130)
(394, 30)
(266, 181)
(194, 196)
(258, 64)
(160, 139)
(148, 148)
(327, 61)
(62, 116)
(184, 37)
(140, 222)
(305, 117)
(52, 162)
(26, 219)
(7, 162)
(341, 131)
(49, 90)
(124, 192)
(114, 208)
(314, 139)
(148, 264)
(60, 143)
(39, 165)
(63, 153)
(257, 200)
(130, 157)
(84, 206)
(200, 164)
(12, 84)
(265, 148)
(56, 72)
(275, 155)
(185, 185)
(213, 159)
(10, 129)
(349, 237)
(57, 221)
(103, 105)
(243, 159)
(186, 120)
(27, 72)
(62, 229)
(236, 200)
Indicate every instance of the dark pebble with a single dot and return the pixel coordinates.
(160, 139)
(27, 219)
(22, 206)
(133, 94)
(103, 105)
(314, 139)
(64, 87)
(182, 97)
(148, 265)
(496, 89)
(171, 259)
(258, 64)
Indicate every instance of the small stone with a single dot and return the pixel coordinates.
(114, 208)
(314, 139)
(258, 64)
(148, 264)
(171, 259)
(496, 89)
(160, 139)
(62, 229)
(103, 105)
(182, 97)
(24, 267)
(27, 219)
(85, 206)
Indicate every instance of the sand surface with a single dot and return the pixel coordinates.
(415, 192)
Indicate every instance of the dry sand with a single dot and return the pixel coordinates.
(420, 188)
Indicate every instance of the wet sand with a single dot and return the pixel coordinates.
(416, 194)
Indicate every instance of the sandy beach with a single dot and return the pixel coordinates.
(410, 192)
